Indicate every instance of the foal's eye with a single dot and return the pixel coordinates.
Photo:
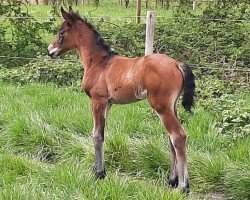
(61, 34)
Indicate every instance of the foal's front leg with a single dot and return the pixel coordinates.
(99, 109)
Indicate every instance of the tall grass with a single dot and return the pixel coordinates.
(46, 150)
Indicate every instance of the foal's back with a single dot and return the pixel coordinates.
(133, 79)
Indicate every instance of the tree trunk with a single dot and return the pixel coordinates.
(126, 3)
(184, 4)
(138, 11)
(167, 5)
(97, 3)
(146, 3)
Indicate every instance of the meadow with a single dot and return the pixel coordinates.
(47, 151)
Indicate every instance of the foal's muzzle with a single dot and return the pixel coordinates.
(52, 51)
(53, 55)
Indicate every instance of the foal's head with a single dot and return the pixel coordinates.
(76, 32)
(65, 39)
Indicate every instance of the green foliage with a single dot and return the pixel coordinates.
(129, 44)
(235, 121)
(199, 42)
(60, 73)
(228, 9)
(221, 97)
(21, 36)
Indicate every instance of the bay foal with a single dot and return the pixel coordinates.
(111, 79)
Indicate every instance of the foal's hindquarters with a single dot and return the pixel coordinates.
(159, 79)
(164, 85)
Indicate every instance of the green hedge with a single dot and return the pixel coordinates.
(199, 42)
(59, 73)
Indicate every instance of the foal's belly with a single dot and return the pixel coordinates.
(127, 94)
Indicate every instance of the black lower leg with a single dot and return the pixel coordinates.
(99, 168)
(173, 183)
(99, 174)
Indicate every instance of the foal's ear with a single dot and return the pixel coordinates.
(70, 10)
(67, 17)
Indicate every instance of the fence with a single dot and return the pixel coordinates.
(150, 20)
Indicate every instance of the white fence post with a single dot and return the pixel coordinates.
(194, 2)
(150, 22)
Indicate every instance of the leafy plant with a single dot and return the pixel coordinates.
(21, 33)
(64, 74)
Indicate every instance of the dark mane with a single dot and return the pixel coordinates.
(100, 41)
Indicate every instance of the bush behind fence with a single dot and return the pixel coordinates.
(197, 40)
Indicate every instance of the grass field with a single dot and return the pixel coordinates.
(105, 9)
(47, 151)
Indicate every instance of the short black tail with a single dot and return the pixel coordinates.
(189, 87)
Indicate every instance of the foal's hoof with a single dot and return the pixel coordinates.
(173, 183)
(99, 174)
(186, 189)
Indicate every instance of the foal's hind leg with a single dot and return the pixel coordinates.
(166, 111)
(173, 176)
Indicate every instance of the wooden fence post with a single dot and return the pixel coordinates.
(194, 2)
(150, 22)
(138, 11)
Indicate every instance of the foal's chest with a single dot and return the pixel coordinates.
(94, 86)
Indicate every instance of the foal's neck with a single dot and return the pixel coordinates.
(91, 56)
(91, 51)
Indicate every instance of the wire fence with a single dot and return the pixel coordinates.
(129, 17)
(55, 17)
(230, 69)
(78, 61)
(39, 59)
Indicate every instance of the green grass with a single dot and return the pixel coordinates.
(46, 150)
(104, 9)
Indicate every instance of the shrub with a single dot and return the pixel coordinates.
(21, 36)
(199, 42)
(64, 74)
